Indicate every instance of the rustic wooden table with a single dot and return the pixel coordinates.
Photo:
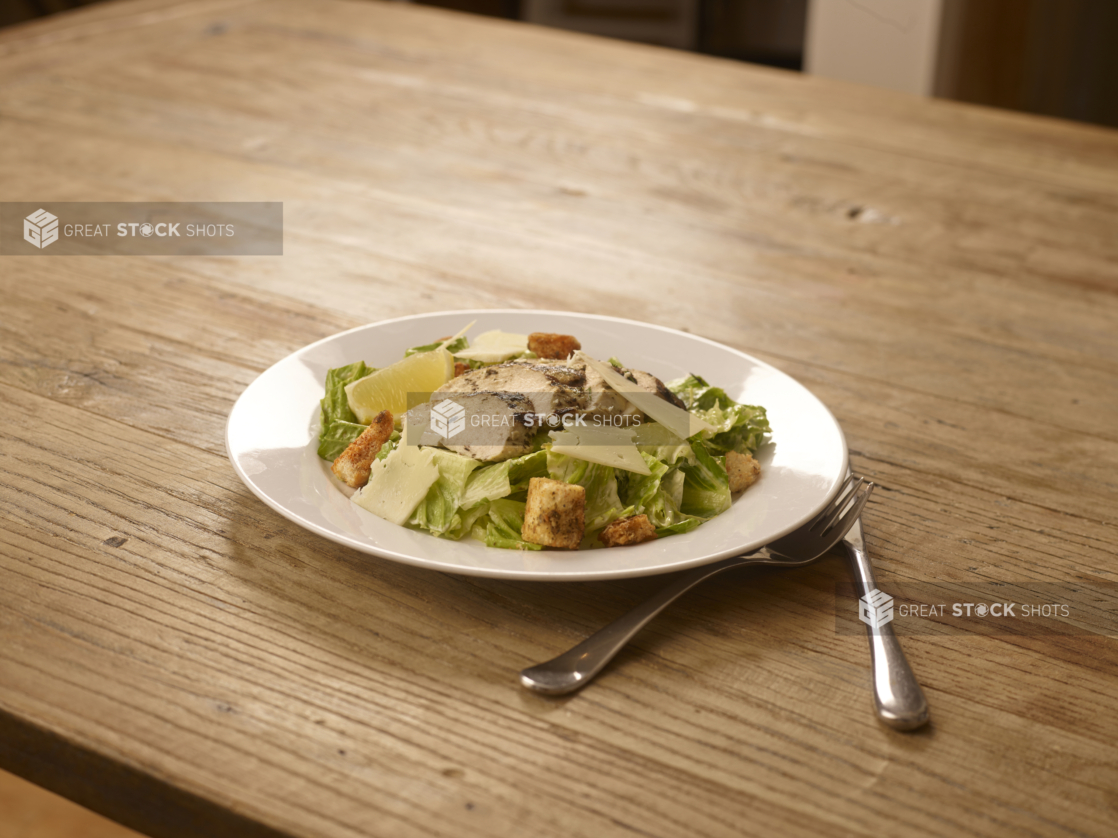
(178, 657)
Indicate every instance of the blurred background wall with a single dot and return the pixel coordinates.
(1054, 57)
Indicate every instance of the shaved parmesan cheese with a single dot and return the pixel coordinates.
(653, 433)
(398, 483)
(602, 444)
(493, 347)
(679, 421)
(453, 338)
(595, 434)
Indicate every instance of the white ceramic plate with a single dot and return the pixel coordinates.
(272, 438)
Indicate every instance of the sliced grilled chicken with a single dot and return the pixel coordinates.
(541, 387)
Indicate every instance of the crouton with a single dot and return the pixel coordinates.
(631, 530)
(742, 470)
(556, 347)
(460, 367)
(555, 513)
(354, 464)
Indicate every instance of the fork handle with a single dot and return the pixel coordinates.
(577, 666)
(897, 696)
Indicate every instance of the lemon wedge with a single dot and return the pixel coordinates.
(388, 388)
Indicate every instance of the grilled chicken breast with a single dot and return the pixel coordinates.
(508, 392)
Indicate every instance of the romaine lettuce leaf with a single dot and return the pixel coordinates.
(501, 525)
(465, 521)
(438, 511)
(336, 436)
(738, 427)
(500, 480)
(672, 486)
(706, 488)
(523, 469)
(456, 345)
(389, 446)
(659, 441)
(486, 484)
(602, 501)
(641, 491)
(659, 496)
(681, 526)
(339, 424)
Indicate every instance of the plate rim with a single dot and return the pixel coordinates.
(496, 573)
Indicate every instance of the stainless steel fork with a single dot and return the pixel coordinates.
(576, 667)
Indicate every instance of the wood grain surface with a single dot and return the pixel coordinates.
(175, 655)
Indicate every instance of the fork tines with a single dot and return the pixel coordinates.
(852, 491)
